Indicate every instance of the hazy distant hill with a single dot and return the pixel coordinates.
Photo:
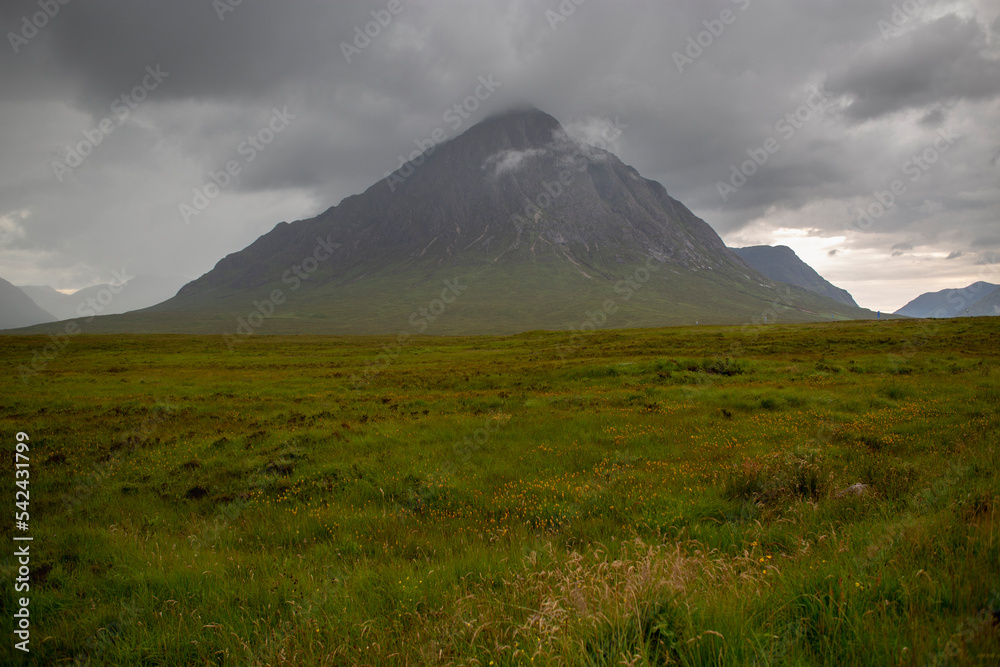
(17, 310)
(140, 292)
(989, 305)
(781, 263)
(976, 299)
(511, 226)
(55, 302)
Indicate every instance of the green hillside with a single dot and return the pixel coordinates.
(496, 299)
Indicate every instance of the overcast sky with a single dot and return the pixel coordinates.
(174, 90)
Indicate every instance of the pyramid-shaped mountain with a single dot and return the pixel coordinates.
(511, 226)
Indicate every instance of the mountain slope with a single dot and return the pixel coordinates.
(511, 226)
(782, 264)
(17, 309)
(140, 291)
(989, 305)
(950, 302)
(50, 300)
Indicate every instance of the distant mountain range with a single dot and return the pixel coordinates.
(141, 291)
(781, 263)
(989, 305)
(511, 226)
(977, 300)
(27, 305)
(18, 310)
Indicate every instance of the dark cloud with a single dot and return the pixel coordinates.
(948, 59)
(883, 102)
(933, 118)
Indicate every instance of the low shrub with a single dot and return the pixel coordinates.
(800, 473)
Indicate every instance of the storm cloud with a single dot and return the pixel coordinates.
(781, 122)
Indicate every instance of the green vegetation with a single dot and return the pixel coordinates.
(677, 496)
(497, 298)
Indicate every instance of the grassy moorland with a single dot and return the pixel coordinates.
(641, 497)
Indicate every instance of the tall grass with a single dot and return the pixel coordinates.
(642, 501)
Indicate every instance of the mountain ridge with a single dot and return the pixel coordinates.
(138, 292)
(977, 299)
(17, 309)
(783, 264)
(544, 230)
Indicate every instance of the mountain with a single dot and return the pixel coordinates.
(17, 310)
(782, 264)
(139, 292)
(976, 299)
(510, 226)
(50, 300)
(989, 305)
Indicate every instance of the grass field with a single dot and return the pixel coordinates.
(669, 496)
